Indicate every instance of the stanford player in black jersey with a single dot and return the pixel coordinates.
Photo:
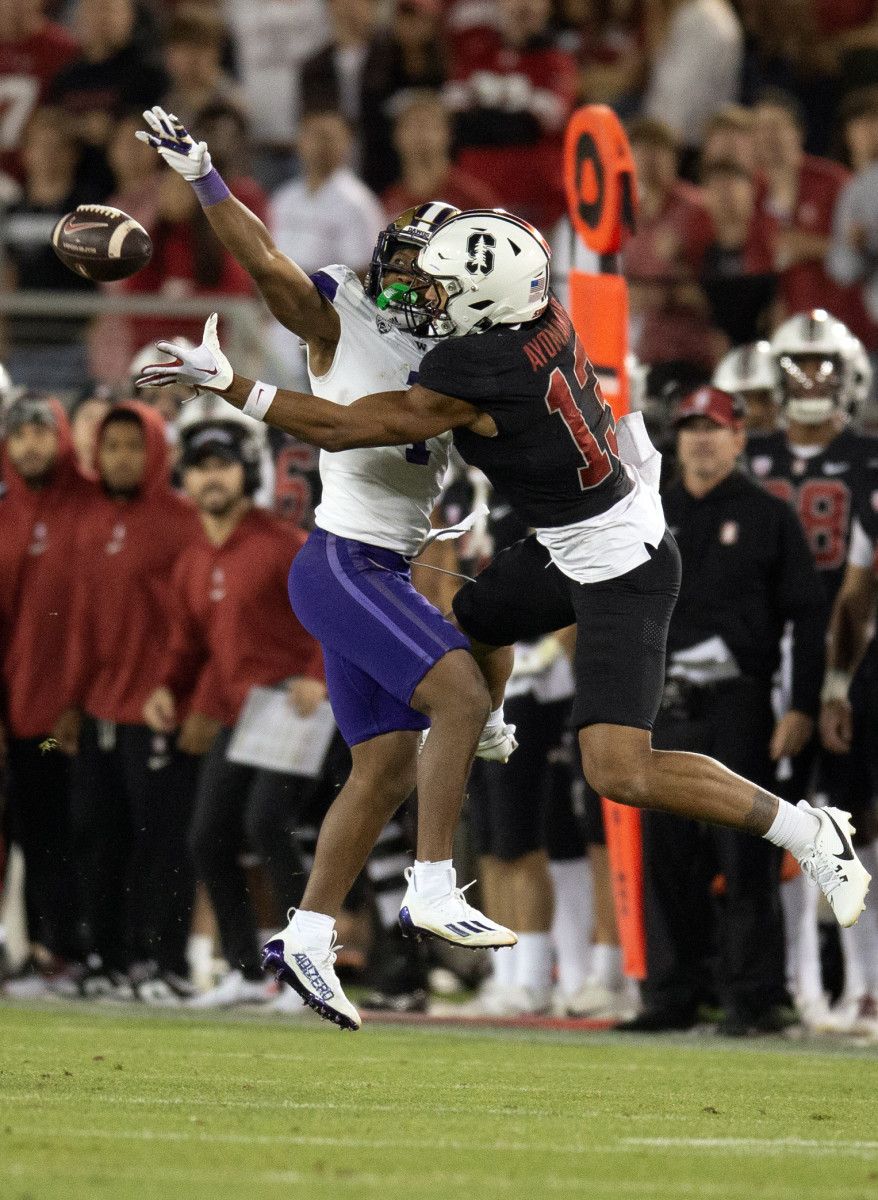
(815, 463)
(524, 405)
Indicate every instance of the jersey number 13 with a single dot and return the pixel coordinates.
(579, 403)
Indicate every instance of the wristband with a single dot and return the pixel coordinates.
(835, 686)
(259, 401)
(210, 188)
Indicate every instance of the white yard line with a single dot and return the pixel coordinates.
(578, 1184)
(773, 1145)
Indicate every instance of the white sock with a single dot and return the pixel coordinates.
(864, 935)
(534, 961)
(314, 928)
(504, 967)
(606, 965)
(571, 925)
(495, 721)
(852, 947)
(433, 878)
(793, 829)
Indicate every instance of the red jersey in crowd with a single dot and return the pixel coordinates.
(27, 67)
(233, 616)
(805, 285)
(125, 557)
(38, 530)
(667, 250)
(512, 109)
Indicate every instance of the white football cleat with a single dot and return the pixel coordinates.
(493, 1001)
(496, 745)
(831, 862)
(310, 971)
(233, 989)
(596, 1001)
(450, 918)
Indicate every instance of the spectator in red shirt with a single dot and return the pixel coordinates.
(132, 789)
(513, 91)
(422, 136)
(233, 618)
(662, 262)
(32, 52)
(737, 271)
(800, 194)
(45, 499)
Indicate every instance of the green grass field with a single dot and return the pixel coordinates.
(101, 1103)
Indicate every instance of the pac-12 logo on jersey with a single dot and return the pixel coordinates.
(480, 248)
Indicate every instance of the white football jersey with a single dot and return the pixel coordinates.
(384, 495)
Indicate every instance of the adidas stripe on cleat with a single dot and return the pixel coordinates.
(450, 918)
(310, 971)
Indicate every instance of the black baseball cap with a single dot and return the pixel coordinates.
(29, 409)
(213, 441)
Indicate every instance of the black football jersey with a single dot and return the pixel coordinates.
(825, 490)
(554, 459)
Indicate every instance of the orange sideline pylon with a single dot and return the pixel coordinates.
(601, 197)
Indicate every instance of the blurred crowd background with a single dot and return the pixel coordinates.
(754, 129)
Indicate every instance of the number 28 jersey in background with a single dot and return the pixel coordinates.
(555, 458)
(824, 489)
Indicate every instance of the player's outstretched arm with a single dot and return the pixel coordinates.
(288, 292)
(383, 419)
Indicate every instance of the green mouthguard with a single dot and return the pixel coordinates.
(396, 293)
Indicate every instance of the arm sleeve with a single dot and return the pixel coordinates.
(801, 600)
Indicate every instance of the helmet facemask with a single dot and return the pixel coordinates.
(394, 280)
(811, 386)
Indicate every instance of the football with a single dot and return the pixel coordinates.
(101, 243)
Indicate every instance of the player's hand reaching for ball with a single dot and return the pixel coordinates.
(171, 139)
(203, 366)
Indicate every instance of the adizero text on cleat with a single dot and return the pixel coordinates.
(832, 863)
(310, 971)
(450, 917)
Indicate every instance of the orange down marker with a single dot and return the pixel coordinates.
(601, 198)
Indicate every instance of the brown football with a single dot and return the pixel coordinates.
(101, 243)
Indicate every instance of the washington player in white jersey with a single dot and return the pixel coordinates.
(394, 665)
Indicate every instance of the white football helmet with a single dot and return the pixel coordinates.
(493, 266)
(819, 337)
(6, 387)
(858, 381)
(749, 368)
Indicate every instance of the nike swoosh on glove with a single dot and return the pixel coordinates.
(203, 366)
(175, 145)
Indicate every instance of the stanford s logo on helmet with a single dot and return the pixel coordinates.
(481, 260)
(493, 267)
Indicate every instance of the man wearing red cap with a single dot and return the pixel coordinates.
(747, 571)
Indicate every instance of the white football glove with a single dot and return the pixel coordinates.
(203, 366)
(189, 159)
